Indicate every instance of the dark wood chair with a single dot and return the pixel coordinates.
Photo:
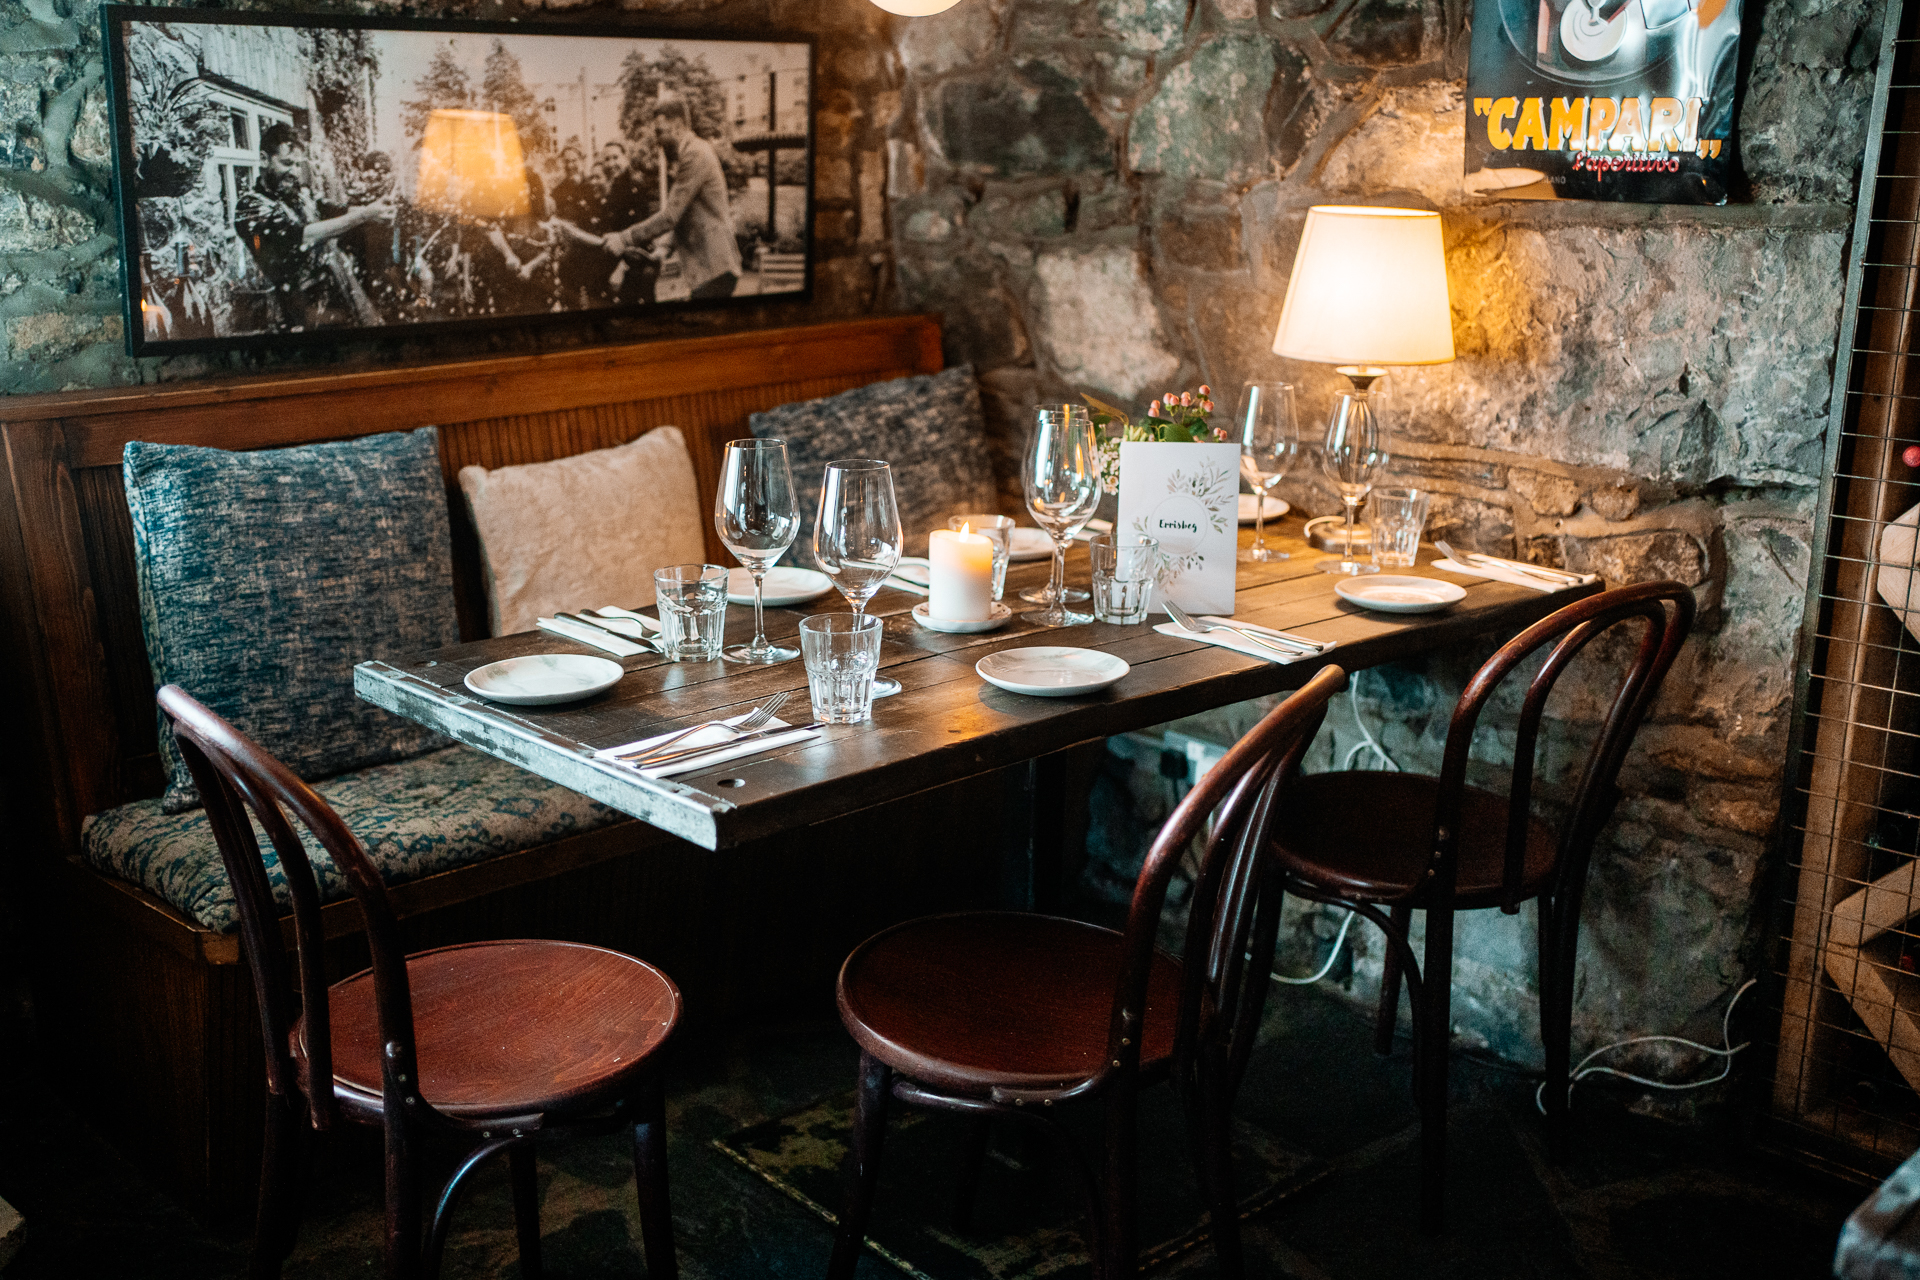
(495, 1043)
(1407, 842)
(1007, 1013)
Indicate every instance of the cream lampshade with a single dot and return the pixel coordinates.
(916, 8)
(1369, 288)
(471, 166)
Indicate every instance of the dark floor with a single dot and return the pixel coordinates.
(1641, 1199)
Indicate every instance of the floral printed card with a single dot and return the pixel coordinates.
(1186, 496)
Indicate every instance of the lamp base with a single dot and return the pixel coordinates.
(1329, 533)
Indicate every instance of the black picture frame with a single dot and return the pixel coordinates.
(393, 204)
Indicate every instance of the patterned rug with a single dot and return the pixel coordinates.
(1027, 1217)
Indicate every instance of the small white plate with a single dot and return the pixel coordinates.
(1388, 594)
(1029, 544)
(1276, 507)
(1051, 671)
(542, 679)
(999, 617)
(781, 587)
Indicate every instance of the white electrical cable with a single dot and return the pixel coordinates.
(1582, 1071)
(1367, 741)
(1325, 969)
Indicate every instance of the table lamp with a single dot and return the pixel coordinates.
(471, 166)
(916, 8)
(1369, 288)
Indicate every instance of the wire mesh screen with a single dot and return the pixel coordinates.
(1846, 1085)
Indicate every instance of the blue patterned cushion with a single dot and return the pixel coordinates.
(265, 576)
(928, 429)
(420, 816)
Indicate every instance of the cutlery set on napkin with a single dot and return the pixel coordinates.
(1242, 637)
(607, 629)
(1517, 572)
(707, 746)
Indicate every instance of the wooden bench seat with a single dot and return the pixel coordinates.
(144, 1010)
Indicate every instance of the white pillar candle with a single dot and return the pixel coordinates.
(960, 573)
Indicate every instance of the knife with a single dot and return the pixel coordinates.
(618, 626)
(581, 633)
(640, 760)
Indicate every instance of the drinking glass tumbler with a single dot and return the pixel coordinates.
(1397, 517)
(1123, 574)
(693, 610)
(842, 651)
(996, 529)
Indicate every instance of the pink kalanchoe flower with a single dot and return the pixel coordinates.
(1186, 399)
(1153, 410)
(1205, 390)
(1206, 406)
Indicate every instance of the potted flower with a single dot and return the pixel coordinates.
(1178, 479)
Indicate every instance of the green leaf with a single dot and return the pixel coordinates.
(1176, 433)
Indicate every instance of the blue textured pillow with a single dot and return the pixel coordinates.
(265, 576)
(928, 429)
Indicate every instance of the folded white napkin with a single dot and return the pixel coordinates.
(914, 574)
(1517, 578)
(721, 752)
(1239, 644)
(592, 637)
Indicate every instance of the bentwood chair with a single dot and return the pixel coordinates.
(1007, 1014)
(1405, 842)
(495, 1044)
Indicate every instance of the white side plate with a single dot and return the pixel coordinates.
(1029, 544)
(1387, 594)
(781, 587)
(997, 618)
(1276, 507)
(1051, 671)
(542, 679)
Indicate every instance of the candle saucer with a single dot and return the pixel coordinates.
(1000, 616)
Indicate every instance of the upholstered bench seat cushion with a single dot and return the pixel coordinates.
(416, 817)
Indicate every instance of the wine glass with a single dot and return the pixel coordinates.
(1061, 474)
(758, 520)
(1269, 443)
(1355, 451)
(1052, 592)
(856, 536)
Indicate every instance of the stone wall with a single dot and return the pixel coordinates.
(60, 290)
(1107, 195)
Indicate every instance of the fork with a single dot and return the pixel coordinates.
(759, 716)
(1279, 644)
(1554, 576)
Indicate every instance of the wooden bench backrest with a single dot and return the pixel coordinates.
(80, 723)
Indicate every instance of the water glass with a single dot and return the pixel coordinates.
(842, 651)
(1123, 574)
(1397, 517)
(999, 531)
(693, 610)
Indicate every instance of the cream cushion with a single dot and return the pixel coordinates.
(584, 531)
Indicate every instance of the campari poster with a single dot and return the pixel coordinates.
(1602, 100)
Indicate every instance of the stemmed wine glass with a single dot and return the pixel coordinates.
(1355, 451)
(1269, 443)
(1061, 474)
(856, 536)
(758, 520)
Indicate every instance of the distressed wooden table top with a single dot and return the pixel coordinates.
(946, 723)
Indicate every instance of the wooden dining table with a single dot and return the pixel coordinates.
(946, 723)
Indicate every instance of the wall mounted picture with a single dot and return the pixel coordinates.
(1603, 100)
(292, 178)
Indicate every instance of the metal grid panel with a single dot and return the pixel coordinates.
(1847, 1057)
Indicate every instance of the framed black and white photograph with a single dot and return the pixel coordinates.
(286, 177)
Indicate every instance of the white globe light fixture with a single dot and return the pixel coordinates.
(916, 8)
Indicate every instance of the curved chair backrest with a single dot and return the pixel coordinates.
(236, 776)
(1666, 609)
(1236, 900)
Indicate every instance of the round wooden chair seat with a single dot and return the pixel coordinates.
(997, 998)
(1366, 836)
(508, 1028)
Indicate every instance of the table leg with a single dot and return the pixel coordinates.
(1047, 832)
